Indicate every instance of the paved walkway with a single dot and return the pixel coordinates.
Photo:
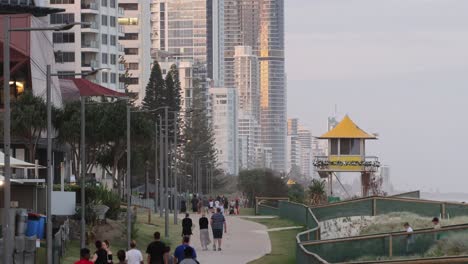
(245, 241)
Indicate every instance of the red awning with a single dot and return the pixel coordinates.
(72, 89)
(88, 88)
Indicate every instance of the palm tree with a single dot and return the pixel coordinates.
(317, 194)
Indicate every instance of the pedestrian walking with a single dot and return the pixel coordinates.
(121, 256)
(188, 257)
(237, 205)
(211, 205)
(226, 204)
(194, 203)
(179, 253)
(187, 225)
(409, 237)
(204, 233)
(218, 222)
(155, 250)
(100, 255)
(134, 255)
(106, 246)
(84, 257)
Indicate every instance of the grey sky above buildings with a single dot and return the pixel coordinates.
(398, 68)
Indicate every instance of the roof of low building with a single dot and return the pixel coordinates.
(19, 7)
(347, 129)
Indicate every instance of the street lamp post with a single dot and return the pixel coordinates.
(7, 138)
(166, 143)
(129, 190)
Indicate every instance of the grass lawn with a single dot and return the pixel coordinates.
(144, 236)
(283, 243)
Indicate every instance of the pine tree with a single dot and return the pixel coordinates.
(198, 134)
(155, 89)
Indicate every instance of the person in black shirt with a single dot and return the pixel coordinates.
(187, 226)
(156, 250)
(204, 233)
(194, 204)
(100, 256)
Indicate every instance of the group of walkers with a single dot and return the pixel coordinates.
(204, 204)
(212, 214)
(157, 251)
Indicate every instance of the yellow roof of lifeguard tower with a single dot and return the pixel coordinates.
(347, 129)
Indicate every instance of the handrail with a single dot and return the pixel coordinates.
(445, 259)
(402, 199)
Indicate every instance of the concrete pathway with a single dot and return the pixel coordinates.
(245, 241)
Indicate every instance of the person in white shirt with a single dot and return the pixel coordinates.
(409, 237)
(134, 255)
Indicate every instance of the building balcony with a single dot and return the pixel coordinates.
(121, 29)
(89, 44)
(92, 27)
(121, 12)
(89, 7)
(344, 163)
(90, 63)
(120, 47)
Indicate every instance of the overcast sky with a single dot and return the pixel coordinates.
(397, 67)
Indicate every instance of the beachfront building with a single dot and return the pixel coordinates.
(90, 46)
(223, 105)
(136, 43)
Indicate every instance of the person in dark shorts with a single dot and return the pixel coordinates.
(187, 226)
(218, 223)
(156, 250)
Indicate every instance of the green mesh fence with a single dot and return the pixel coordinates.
(455, 210)
(342, 251)
(385, 206)
(367, 248)
(303, 257)
(267, 210)
(378, 246)
(294, 212)
(345, 209)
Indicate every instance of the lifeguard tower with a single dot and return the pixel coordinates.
(347, 153)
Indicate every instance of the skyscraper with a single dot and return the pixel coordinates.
(191, 30)
(305, 142)
(137, 44)
(293, 147)
(223, 104)
(95, 46)
(273, 80)
(260, 24)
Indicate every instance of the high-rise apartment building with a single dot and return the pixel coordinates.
(260, 24)
(249, 141)
(191, 30)
(293, 147)
(186, 80)
(273, 80)
(241, 28)
(136, 42)
(223, 104)
(247, 82)
(248, 90)
(89, 46)
(305, 142)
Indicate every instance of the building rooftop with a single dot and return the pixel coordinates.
(347, 129)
